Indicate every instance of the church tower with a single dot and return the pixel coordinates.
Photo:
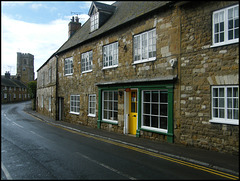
(25, 67)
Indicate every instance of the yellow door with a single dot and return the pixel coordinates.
(132, 121)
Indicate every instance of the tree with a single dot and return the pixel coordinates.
(32, 90)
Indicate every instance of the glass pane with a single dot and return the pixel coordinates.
(216, 28)
(221, 92)
(230, 35)
(133, 108)
(229, 114)
(235, 103)
(154, 109)
(155, 96)
(155, 121)
(236, 33)
(105, 105)
(221, 16)
(229, 103)
(216, 38)
(115, 106)
(235, 92)
(146, 108)
(236, 11)
(146, 120)
(163, 97)
(230, 24)
(221, 37)
(115, 95)
(215, 92)
(216, 18)
(222, 26)
(163, 110)
(110, 96)
(115, 117)
(235, 114)
(106, 96)
(221, 113)
(146, 97)
(221, 102)
(215, 113)
(229, 92)
(230, 13)
(110, 105)
(215, 102)
(163, 122)
(105, 115)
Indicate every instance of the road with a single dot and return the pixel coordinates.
(33, 149)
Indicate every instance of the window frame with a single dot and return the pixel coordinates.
(87, 60)
(150, 128)
(225, 98)
(108, 108)
(225, 28)
(148, 45)
(114, 54)
(90, 114)
(68, 62)
(72, 106)
(50, 75)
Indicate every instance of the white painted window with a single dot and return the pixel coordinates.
(75, 104)
(94, 21)
(92, 105)
(68, 66)
(86, 61)
(225, 26)
(155, 110)
(110, 106)
(225, 105)
(145, 47)
(49, 104)
(110, 55)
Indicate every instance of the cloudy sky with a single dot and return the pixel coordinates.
(37, 27)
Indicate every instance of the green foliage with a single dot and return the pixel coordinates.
(32, 89)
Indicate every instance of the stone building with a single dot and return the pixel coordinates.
(12, 89)
(160, 70)
(46, 88)
(25, 67)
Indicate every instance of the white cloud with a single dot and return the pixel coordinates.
(36, 6)
(41, 40)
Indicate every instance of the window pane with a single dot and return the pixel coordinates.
(163, 110)
(222, 26)
(229, 103)
(230, 34)
(154, 109)
(146, 96)
(229, 92)
(163, 97)
(215, 102)
(230, 24)
(221, 102)
(235, 114)
(235, 92)
(163, 122)
(221, 92)
(221, 37)
(221, 113)
(235, 103)
(146, 108)
(215, 92)
(155, 121)
(155, 96)
(215, 113)
(146, 120)
(230, 13)
(229, 113)
(236, 33)
(216, 29)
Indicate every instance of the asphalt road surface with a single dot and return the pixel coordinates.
(33, 149)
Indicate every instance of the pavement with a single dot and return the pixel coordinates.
(220, 161)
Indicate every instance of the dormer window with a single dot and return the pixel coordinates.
(94, 21)
(99, 13)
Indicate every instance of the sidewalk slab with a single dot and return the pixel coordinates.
(220, 161)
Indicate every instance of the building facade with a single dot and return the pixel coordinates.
(160, 70)
(46, 88)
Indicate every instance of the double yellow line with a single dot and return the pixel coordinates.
(185, 163)
(192, 165)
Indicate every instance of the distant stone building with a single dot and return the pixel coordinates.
(25, 67)
(12, 89)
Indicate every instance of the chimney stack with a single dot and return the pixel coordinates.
(7, 75)
(73, 26)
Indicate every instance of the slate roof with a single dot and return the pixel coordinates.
(125, 12)
(12, 82)
(101, 7)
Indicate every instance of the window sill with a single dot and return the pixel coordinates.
(92, 115)
(74, 113)
(223, 121)
(156, 130)
(68, 74)
(144, 61)
(87, 71)
(109, 67)
(224, 43)
(109, 121)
